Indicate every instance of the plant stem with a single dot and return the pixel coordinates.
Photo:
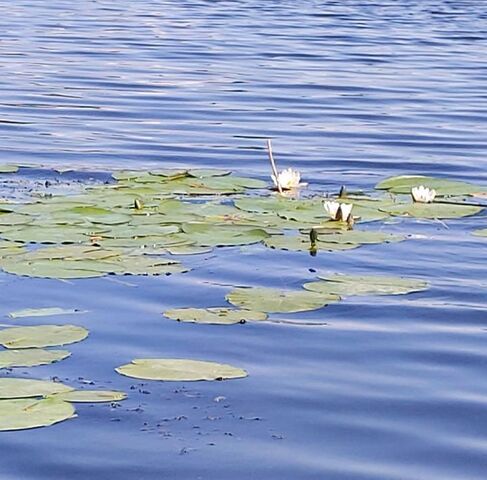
(273, 165)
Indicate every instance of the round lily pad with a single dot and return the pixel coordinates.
(8, 168)
(481, 233)
(300, 243)
(25, 413)
(25, 388)
(348, 285)
(91, 396)
(31, 357)
(42, 312)
(432, 210)
(218, 315)
(41, 336)
(178, 370)
(282, 301)
(207, 235)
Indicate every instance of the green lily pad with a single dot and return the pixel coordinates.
(280, 301)
(361, 237)
(207, 172)
(223, 235)
(404, 183)
(90, 396)
(301, 243)
(25, 388)
(42, 312)
(481, 233)
(178, 370)
(8, 168)
(41, 336)
(350, 285)
(31, 357)
(50, 269)
(22, 414)
(188, 250)
(432, 210)
(220, 316)
(38, 234)
(10, 219)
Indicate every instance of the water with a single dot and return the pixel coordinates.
(351, 92)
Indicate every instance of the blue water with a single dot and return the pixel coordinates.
(391, 388)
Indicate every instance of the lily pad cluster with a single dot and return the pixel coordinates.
(26, 403)
(255, 303)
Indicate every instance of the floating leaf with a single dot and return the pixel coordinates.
(223, 235)
(188, 250)
(432, 210)
(481, 233)
(207, 172)
(25, 388)
(221, 316)
(31, 357)
(301, 243)
(90, 396)
(282, 301)
(42, 312)
(348, 285)
(50, 269)
(404, 184)
(11, 219)
(22, 414)
(179, 370)
(41, 336)
(8, 168)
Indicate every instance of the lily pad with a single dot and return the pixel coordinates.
(481, 233)
(220, 316)
(31, 357)
(41, 336)
(432, 210)
(404, 183)
(8, 168)
(50, 269)
(281, 301)
(300, 243)
(350, 285)
(223, 235)
(178, 370)
(91, 396)
(42, 312)
(25, 388)
(24, 413)
(207, 172)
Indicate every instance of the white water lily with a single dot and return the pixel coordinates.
(338, 211)
(423, 194)
(345, 211)
(288, 179)
(331, 209)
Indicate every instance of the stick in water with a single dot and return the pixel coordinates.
(273, 165)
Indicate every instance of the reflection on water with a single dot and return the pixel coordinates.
(390, 388)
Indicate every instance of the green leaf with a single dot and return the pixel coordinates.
(481, 233)
(223, 235)
(25, 388)
(432, 210)
(301, 243)
(43, 312)
(350, 285)
(31, 357)
(282, 301)
(41, 336)
(90, 396)
(404, 183)
(207, 172)
(22, 414)
(8, 168)
(178, 370)
(217, 315)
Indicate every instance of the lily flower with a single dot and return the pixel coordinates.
(423, 194)
(331, 209)
(288, 179)
(338, 211)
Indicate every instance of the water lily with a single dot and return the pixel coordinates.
(288, 179)
(423, 194)
(331, 209)
(338, 211)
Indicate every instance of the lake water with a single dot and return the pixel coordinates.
(391, 388)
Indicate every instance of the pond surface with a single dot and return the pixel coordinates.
(351, 92)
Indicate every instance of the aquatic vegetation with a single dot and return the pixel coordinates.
(31, 357)
(287, 179)
(41, 336)
(214, 315)
(481, 233)
(423, 194)
(351, 285)
(43, 312)
(270, 300)
(179, 370)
